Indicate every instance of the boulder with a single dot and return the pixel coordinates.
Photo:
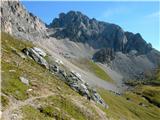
(54, 68)
(40, 51)
(76, 75)
(97, 98)
(36, 57)
(63, 73)
(59, 62)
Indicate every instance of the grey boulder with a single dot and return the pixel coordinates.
(36, 56)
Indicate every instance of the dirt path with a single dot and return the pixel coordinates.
(14, 105)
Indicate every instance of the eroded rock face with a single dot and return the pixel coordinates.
(16, 20)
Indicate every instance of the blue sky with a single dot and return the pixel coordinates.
(137, 17)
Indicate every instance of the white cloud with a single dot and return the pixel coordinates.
(154, 14)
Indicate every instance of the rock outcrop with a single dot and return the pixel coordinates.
(74, 80)
(16, 20)
(104, 55)
(36, 56)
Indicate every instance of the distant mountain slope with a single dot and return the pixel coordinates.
(127, 53)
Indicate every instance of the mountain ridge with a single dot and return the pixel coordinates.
(78, 27)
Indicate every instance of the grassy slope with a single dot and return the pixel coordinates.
(94, 68)
(152, 93)
(41, 81)
(120, 108)
(131, 109)
(157, 78)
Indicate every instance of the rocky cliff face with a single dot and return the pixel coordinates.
(16, 20)
(104, 55)
(137, 43)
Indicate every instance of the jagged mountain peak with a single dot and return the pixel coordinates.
(70, 18)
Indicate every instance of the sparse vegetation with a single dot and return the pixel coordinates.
(99, 72)
(133, 82)
(94, 68)
(4, 101)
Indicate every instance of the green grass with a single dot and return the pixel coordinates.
(61, 107)
(58, 107)
(11, 85)
(66, 108)
(9, 41)
(99, 72)
(152, 93)
(30, 113)
(157, 77)
(94, 68)
(120, 108)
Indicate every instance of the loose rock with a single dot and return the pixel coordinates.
(24, 80)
